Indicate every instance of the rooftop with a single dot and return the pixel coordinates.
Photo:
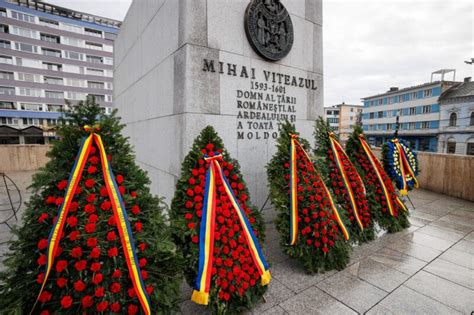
(464, 89)
(397, 91)
(65, 12)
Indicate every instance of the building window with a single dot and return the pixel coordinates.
(411, 125)
(94, 59)
(451, 149)
(29, 77)
(52, 122)
(75, 82)
(414, 95)
(26, 47)
(453, 119)
(8, 121)
(76, 96)
(50, 38)
(51, 80)
(94, 46)
(412, 110)
(425, 125)
(470, 149)
(23, 32)
(380, 115)
(426, 109)
(98, 72)
(471, 122)
(71, 28)
(31, 107)
(48, 23)
(389, 126)
(23, 17)
(54, 108)
(428, 93)
(73, 55)
(6, 59)
(92, 32)
(30, 92)
(7, 105)
(3, 28)
(51, 52)
(5, 44)
(72, 41)
(6, 75)
(98, 98)
(95, 85)
(52, 66)
(32, 121)
(54, 94)
(6, 90)
(3, 12)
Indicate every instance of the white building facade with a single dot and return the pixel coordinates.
(331, 116)
(456, 132)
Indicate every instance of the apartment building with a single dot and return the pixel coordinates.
(331, 116)
(417, 108)
(342, 118)
(50, 55)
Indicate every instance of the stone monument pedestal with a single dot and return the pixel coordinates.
(181, 65)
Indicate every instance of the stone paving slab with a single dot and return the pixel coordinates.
(425, 269)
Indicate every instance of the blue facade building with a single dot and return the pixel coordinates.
(50, 56)
(418, 109)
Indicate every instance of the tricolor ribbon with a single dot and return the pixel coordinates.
(337, 151)
(405, 168)
(206, 234)
(294, 192)
(377, 167)
(120, 215)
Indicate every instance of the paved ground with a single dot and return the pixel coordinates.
(427, 269)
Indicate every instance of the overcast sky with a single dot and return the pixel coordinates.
(371, 45)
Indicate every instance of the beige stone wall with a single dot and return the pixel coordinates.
(448, 174)
(29, 157)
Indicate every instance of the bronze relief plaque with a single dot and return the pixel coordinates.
(269, 29)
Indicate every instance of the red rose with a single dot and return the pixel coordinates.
(45, 296)
(135, 209)
(111, 236)
(40, 278)
(50, 200)
(95, 253)
(72, 221)
(92, 241)
(89, 183)
(93, 218)
(41, 260)
(61, 282)
(115, 307)
(105, 205)
(97, 278)
(117, 274)
(87, 301)
(119, 179)
(78, 190)
(73, 206)
(131, 292)
(195, 172)
(76, 252)
(79, 286)
(144, 274)
(80, 265)
(59, 201)
(132, 309)
(149, 289)
(111, 221)
(89, 208)
(133, 194)
(104, 192)
(115, 287)
(42, 217)
(95, 267)
(90, 228)
(62, 184)
(94, 159)
(44, 312)
(195, 239)
(138, 226)
(61, 265)
(99, 292)
(191, 225)
(102, 306)
(142, 246)
(112, 252)
(42, 244)
(188, 216)
(325, 249)
(91, 169)
(66, 301)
